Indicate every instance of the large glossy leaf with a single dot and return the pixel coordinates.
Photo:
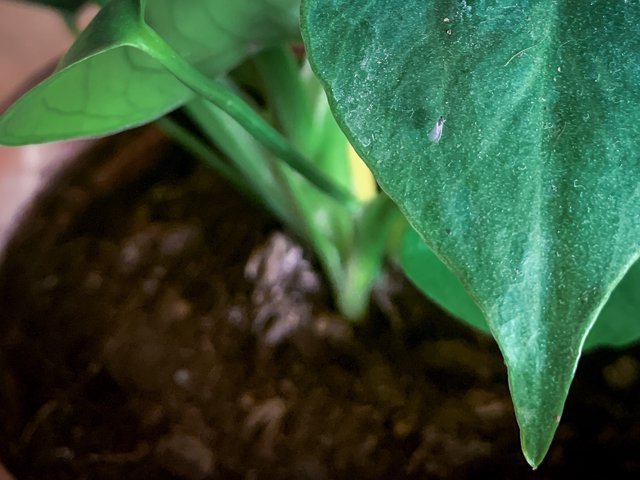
(105, 85)
(532, 194)
(618, 324)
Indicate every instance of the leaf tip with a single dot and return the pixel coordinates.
(538, 393)
(534, 457)
(536, 438)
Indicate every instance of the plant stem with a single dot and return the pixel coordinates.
(373, 230)
(154, 45)
(253, 164)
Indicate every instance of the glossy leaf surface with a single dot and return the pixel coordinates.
(618, 324)
(104, 84)
(532, 194)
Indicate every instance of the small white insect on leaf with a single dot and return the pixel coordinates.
(436, 133)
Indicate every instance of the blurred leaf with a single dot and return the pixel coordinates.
(104, 84)
(619, 322)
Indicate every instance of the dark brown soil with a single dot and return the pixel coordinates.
(157, 326)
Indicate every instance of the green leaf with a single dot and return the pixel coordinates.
(326, 225)
(618, 324)
(532, 195)
(104, 84)
(250, 159)
(435, 280)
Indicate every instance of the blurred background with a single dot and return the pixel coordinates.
(32, 38)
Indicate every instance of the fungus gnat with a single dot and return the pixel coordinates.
(436, 133)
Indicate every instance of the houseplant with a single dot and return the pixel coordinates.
(520, 210)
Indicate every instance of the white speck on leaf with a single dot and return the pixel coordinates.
(436, 132)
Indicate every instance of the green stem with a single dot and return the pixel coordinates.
(240, 111)
(284, 88)
(373, 230)
(248, 157)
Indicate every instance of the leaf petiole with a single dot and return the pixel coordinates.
(150, 42)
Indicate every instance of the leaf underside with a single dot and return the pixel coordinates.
(104, 85)
(531, 196)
